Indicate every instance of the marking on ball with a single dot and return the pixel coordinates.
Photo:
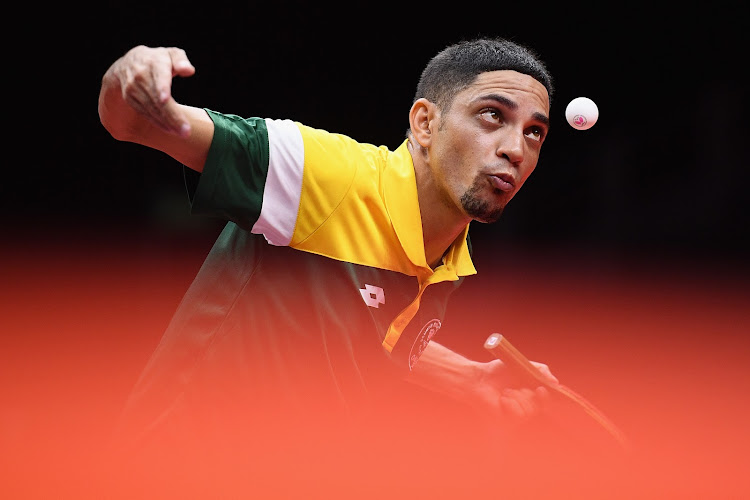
(581, 113)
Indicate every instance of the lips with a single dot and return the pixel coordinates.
(503, 182)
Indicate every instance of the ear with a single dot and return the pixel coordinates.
(421, 120)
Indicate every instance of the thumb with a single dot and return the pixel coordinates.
(181, 65)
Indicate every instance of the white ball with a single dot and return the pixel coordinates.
(581, 113)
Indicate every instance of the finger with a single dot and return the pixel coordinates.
(526, 399)
(520, 402)
(146, 74)
(544, 369)
(167, 116)
(509, 406)
(506, 376)
(181, 65)
(145, 77)
(161, 106)
(543, 398)
(170, 116)
(140, 95)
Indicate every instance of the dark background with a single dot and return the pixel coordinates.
(663, 173)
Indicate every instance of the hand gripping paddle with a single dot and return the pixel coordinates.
(503, 350)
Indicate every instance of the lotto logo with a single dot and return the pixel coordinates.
(372, 295)
(579, 120)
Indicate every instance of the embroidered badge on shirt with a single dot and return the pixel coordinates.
(423, 338)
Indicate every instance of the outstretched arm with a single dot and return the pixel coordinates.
(136, 105)
(489, 387)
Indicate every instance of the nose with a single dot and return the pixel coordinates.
(511, 146)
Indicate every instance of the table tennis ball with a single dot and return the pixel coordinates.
(582, 113)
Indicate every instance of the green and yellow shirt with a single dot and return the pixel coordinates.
(318, 280)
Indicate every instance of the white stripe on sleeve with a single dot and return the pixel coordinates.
(283, 189)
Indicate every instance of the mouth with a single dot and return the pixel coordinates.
(503, 182)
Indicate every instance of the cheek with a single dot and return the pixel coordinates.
(454, 158)
(462, 155)
(527, 171)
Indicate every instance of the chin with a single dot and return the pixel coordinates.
(482, 206)
(484, 212)
(489, 218)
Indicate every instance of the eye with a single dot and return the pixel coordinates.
(491, 115)
(536, 133)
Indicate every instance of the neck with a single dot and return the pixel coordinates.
(442, 221)
(437, 240)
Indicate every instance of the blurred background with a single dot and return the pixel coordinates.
(623, 262)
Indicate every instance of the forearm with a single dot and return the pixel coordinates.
(191, 151)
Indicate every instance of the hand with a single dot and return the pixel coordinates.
(138, 86)
(502, 391)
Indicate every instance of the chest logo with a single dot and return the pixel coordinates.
(372, 295)
(423, 338)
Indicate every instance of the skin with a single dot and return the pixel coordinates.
(136, 105)
(493, 129)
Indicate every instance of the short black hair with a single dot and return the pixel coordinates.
(457, 66)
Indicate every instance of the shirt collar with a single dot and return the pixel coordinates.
(402, 203)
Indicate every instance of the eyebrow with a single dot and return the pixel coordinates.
(513, 105)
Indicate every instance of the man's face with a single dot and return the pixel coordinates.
(487, 144)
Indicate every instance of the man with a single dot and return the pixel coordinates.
(323, 292)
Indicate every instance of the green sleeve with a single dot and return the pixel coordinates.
(234, 176)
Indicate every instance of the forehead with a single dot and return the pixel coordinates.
(518, 86)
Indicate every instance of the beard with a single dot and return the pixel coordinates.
(478, 208)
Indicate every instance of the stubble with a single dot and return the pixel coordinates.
(477, 207)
